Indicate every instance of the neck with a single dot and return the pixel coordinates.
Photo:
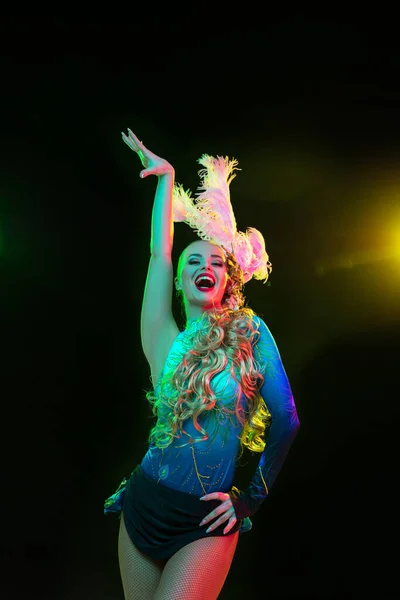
(194, 312)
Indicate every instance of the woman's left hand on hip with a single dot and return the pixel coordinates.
(224, 511)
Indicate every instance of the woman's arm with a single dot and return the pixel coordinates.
(158, 327)
(278, 397)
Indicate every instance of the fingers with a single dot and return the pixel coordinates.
(227, 516)
(232, 522)
(133, 142)
(222, 508)
(135, 139)
(127, 141)
(226, 512)
(153, 165)
(216, 496)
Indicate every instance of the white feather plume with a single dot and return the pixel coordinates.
(211, 215)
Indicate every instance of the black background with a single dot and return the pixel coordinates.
(310, 108)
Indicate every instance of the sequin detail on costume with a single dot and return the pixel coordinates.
(163, 472)
(114, 502)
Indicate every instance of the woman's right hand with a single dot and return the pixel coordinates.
(153, 164)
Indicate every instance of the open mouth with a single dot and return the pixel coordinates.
(204, 283)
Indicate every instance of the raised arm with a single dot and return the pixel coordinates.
(158, 327)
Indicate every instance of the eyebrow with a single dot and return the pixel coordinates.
(213, 255)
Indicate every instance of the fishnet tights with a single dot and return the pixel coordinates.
(196, 572)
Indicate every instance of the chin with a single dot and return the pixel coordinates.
(205, 302)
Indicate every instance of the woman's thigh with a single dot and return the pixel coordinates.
(198, 570)
(140, 574)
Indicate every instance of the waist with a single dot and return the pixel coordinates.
(191, 469)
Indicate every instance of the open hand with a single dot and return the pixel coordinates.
(153, 164)
(224, 511)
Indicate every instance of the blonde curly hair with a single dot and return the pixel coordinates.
(227, 338)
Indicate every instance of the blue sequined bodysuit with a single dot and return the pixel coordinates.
(199, 467)
(206, 466)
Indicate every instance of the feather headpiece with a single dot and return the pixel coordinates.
(211, 215)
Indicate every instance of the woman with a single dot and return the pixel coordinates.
(218, 386)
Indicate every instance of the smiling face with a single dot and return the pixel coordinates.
(202, 277)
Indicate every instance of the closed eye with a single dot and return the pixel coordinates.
(196, 262)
